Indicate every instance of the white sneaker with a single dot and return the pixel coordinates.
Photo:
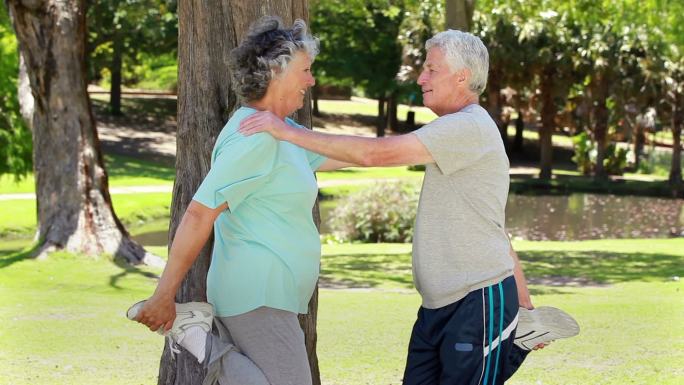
(542, 325)
(190, 328)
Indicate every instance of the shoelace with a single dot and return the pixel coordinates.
(173, 347)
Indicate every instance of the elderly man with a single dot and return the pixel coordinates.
(464, 267)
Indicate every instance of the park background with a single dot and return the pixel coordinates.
(588, 98)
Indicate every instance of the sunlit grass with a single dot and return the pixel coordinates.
(369, 107)
(629, 327)
(18, 217)
(122, 171)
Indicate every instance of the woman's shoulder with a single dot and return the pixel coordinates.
(293, 123)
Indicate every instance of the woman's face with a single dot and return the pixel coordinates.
(290, 87)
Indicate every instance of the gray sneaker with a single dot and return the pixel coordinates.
(187, 314)
(543, 325)
(192, 324)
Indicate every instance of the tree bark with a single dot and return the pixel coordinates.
(316, 111)
(459, 14)
(382, 116)
(639, 141)
(207, 32)
(677, 121)
(548, 115)
(495, 103)
(601, 125)
(115, 89)
(392, 118)
(75, 210)
(519, 130)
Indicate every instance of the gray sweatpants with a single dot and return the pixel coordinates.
(262, 347)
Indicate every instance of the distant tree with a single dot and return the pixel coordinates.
(119, 30)
(549, 40)
(499, 30)
(674, 81)
(75, 210)
(15, 137)
(459, 14)
(359, 41)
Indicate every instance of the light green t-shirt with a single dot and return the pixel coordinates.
(266, 247)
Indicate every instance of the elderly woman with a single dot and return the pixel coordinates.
(258, 198)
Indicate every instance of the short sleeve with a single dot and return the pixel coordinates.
(240, 167)
(454, 141)
(315, 160)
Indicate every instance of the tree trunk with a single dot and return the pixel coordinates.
(392, 118)
(495, 103)
(316, 112)
(677, 121)
(519, 130)
(639, 140)
(601, 126)
(115, 90)
(459, 14)
(75, 210)
(207, 32)
(382, 117)
(548, 115)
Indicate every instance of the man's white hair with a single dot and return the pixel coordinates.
(463, 50)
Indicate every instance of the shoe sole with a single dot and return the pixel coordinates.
(187, 307)
(132, 311)
(547, 324)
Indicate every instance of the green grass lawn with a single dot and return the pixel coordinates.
(63, 318)
(558, 140)
(351, 173)
(369, 107)
(122, 171)
(18, 217)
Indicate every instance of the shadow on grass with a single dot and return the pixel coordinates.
(8, 257)
(154, 114)
(126, 270)
(345, 271)
(123, 166)
(549, 270)
(581, 268)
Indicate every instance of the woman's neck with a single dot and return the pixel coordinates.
(268, 103)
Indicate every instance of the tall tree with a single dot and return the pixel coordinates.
(549, 37)
(675, 98)
(349, 53)
(459, 14)
(500, 32)
(15, 137)
(208, 30)
(74, 206)
(120, 29)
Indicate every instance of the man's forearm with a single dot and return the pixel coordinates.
(351, 149)
(521, 282)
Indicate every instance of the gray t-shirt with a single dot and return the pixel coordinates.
(460, 244)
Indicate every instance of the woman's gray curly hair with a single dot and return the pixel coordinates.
(265, 52)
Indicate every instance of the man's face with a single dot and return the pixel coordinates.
(440, 86)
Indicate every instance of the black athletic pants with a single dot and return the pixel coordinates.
(459, 344)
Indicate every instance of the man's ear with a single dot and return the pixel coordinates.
(463, 75)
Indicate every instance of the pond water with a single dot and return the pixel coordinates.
(583, 216)
(593, 216)
(547, 217)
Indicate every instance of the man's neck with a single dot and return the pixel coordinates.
(460, 104)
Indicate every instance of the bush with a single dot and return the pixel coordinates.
(384, 212)
(615, 160)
